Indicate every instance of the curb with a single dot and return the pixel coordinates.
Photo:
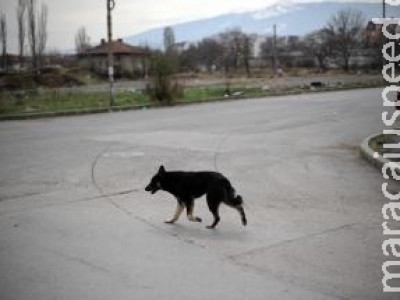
(75, 112)
(371, 156)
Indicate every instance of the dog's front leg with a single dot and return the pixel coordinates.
(189, 209)
(179, 210)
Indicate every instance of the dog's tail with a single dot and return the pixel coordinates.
(236, 200)
(232, 199)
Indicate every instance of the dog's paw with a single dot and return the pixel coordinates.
(210, 227)
(194, 219)
(169, 221)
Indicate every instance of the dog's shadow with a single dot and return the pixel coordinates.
(202, 235)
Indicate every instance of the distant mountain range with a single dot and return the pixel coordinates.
(290, 18)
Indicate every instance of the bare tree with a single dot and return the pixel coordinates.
(210, 52)
(37, 32)
(42, 33)
(318, 45)
(21, 9)
(237, 47)
(267, 48)
(232, 42)
(3, 37)
(344, 32)
(247, 50)
(31, 5)
(189, 59)
(82, 41)
(225, 40)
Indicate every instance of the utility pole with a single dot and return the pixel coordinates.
(275, 58)
(110, 7)
(383, 40)
(384, 8)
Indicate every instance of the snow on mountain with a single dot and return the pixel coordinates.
(276, 10)
(290, 18)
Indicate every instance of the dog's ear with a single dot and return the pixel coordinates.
(161, 170)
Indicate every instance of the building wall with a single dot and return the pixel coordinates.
(124, 65)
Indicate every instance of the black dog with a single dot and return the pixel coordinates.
(187, 186)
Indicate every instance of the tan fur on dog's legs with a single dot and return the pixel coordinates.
(179, 210)
(189, 208)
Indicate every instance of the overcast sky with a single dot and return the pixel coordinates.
(129, 16)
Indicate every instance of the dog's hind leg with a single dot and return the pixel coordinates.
(179, 210)
(214, 210)
(240, 209)
(189, 208)
(236, 202)
(213, 201)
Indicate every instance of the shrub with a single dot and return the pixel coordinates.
(162, 88)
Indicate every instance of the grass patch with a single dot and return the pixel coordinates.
(219, 92)
(54, 100)
(195, 94)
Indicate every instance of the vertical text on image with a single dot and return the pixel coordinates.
(391, 169)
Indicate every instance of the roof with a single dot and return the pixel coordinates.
(117, 47)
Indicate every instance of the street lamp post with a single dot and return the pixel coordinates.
(110, 7)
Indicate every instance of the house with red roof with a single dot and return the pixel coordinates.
(129, 61)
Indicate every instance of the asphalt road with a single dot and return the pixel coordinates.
(75, 222)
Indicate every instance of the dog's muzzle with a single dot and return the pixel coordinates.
(151, 189)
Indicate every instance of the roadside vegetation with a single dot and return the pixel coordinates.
(37, 101)
(53, 100)
(47, 77)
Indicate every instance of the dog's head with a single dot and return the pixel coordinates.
(156, 182)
